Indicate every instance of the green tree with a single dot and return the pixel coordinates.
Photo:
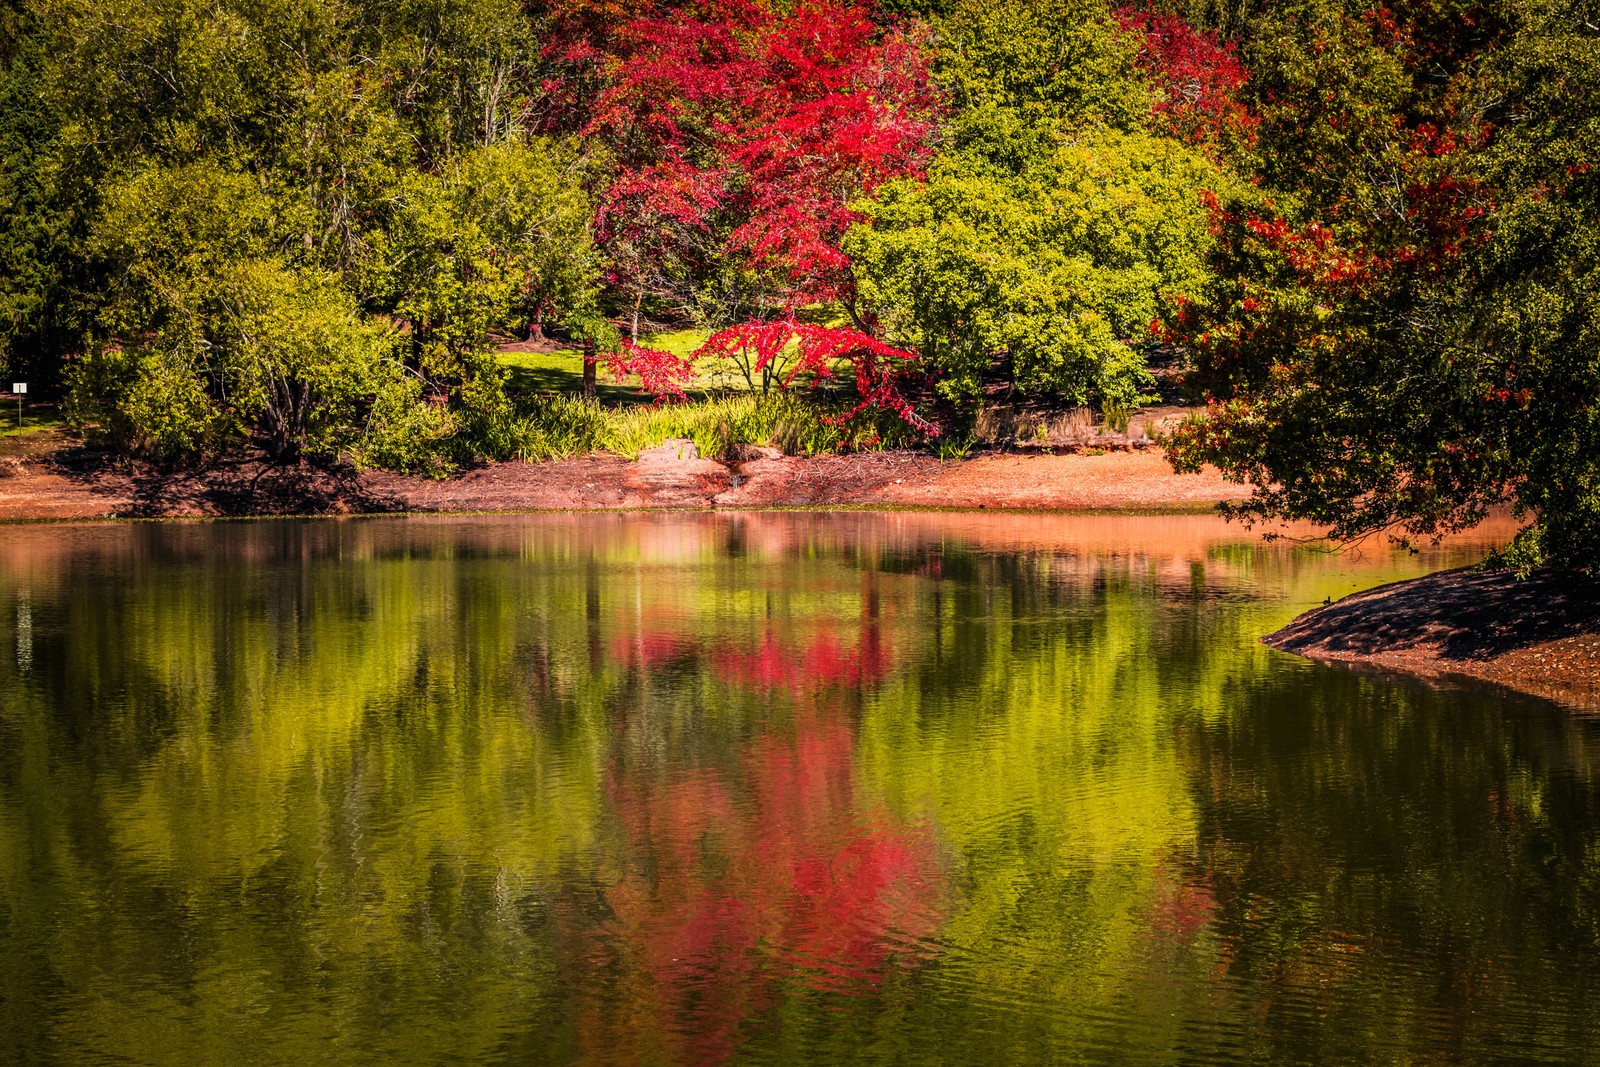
(299, 360)
(1056, 273)
(460, 74)
(263, 190)
(39, 315)
(1020, 74)
(1407, 339)
(212, 336)
(438, 271)
(1535, 304)
(166, 237)
(529, 201)
(499, 238)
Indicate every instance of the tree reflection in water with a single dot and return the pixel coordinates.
(761, 788)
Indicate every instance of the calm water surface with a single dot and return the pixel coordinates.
(762, 788)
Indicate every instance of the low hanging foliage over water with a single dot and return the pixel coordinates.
(1368, 234)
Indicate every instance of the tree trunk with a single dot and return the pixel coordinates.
(588, 368)
(286, 419)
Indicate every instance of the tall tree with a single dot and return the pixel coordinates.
(742, 135)
(1405, 338)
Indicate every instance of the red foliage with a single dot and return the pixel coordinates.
(1425, 231)
(755, 128)
(1200, 80)
(742, 131)
(822, 663)
(662, 374)
(879, 369)
(741, 863)
(738, 877)
(1308, 306)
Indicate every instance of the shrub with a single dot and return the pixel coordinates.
(404, 433)
(143, 398)
(1522, 556)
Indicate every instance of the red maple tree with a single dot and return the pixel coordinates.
(1200, 79)
(741, 134)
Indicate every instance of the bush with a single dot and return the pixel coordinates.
(142, 398)
(1522, 556)
(404, 433)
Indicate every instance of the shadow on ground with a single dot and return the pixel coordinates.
(548, 381)
(1464, 615)
(250, 484)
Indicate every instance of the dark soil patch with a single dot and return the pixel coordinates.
(1540, 636)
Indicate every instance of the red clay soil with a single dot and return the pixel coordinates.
(50, 479)
(1539, 636)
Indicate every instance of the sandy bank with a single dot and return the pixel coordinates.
(54, 482)
(1540, 636)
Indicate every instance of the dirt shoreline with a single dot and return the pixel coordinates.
(1539, 636)
(53, 480)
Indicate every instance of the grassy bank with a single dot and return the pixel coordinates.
(556, 427)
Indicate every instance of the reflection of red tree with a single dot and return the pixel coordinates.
(778, 660)
(817, 664)
(1183, 907)
(738, 880)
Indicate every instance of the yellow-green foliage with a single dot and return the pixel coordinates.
(1060, 268)
(560, 426)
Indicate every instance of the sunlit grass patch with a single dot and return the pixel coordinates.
(560, 371)
(678, 342)
(34, 419)
(553, 427)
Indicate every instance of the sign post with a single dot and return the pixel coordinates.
(19, 388)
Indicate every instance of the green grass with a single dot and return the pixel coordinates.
(717, 424)
(34, 419)
(561, 371)
(678, 342)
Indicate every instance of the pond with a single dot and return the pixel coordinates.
(763, 788)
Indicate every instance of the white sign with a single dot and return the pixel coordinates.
(19, 387)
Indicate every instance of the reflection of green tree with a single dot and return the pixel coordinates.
(1104, 751)
(1035, 737)
(346, 744)
(1396, 855)
(396, 746)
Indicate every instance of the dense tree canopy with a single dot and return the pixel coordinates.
(1369, 230)
(1402, 335)
(1054, 269)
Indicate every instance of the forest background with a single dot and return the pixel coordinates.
(1369, 236)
